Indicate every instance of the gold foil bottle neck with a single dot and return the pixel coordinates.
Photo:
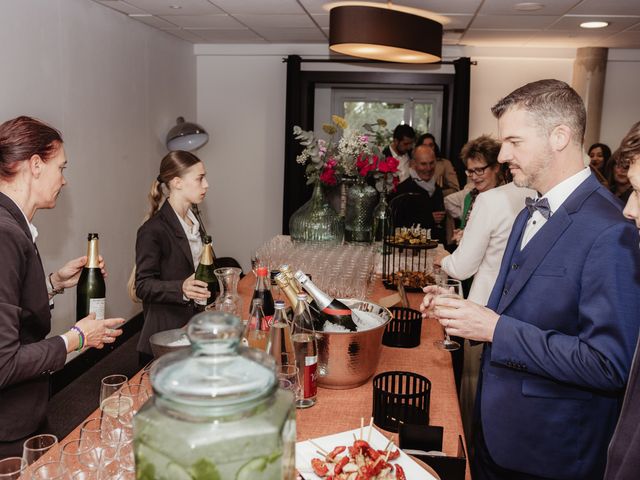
(207, 255)
(93, 251)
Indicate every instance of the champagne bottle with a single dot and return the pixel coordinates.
(289, 286)
(305, 346)
(204, 272)
(291, 293)
(91, 290)
(334, 310)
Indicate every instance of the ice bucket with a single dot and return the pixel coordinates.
(348, 359)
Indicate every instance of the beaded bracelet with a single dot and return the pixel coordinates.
(81, 335)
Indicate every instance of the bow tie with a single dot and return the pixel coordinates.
(541, 205)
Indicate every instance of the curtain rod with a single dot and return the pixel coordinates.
(363, 60)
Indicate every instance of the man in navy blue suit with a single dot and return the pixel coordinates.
(562, 320)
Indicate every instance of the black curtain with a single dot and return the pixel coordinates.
(460, 120)
(294, 179)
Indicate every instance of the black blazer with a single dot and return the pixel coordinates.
(26, 358)
(163, 262)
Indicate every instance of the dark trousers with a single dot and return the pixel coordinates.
(484, 468)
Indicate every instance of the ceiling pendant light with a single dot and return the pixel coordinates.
(385, 32)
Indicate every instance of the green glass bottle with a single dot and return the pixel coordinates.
(91, 290)
(205, 269)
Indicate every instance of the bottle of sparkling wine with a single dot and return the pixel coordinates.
(91, 290)
(305, 346)
(204, 272)
(333, 310)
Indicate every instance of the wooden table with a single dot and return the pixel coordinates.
(339, 410)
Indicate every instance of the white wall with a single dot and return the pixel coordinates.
(621, 105)
(114, 87)
(241, 102)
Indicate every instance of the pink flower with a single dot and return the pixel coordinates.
(328, 176)
(389, 165)
(332, 163)
(366, 164)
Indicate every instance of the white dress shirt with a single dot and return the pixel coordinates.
(403, 164)
(428, 186)
(485, 239)
(193, 235)
(556, 197)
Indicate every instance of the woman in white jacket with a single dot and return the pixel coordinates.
(489, 215)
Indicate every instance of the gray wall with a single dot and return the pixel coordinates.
(114, 87)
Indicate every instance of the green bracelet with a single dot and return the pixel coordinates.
(81, 337)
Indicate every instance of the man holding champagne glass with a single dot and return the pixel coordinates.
(562, 320)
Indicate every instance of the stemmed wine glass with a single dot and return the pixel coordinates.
(454, 290)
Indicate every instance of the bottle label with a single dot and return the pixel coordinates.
(267, 321)
(96, 305)
(310, 377)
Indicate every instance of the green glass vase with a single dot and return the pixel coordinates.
(316, 221)
(358, 223)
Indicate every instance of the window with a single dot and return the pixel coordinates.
(420, 109)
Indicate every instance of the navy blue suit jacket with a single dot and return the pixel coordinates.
(553, 377)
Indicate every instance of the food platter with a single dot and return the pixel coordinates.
(307, 450)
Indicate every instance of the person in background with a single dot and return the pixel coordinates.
(445, 175)
(562, 319)
(168, 249)
(618, 179)
(427, 209)
(403, 139)
(32, 161)
(480, 157)
(623, 458)
(488, 214)
(599, 153)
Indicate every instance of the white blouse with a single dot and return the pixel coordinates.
(193, 235)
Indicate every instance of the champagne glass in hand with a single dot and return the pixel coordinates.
(454, 290)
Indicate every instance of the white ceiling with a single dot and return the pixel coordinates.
(472, 22)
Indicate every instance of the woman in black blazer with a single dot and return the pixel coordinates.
(32, 160)
(168, 248)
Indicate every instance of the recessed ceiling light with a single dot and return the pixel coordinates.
(594, 24)
(528, 6)
(175, 7)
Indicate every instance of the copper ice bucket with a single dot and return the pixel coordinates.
(348, 359)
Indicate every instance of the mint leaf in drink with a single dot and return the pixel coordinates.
(204, 470)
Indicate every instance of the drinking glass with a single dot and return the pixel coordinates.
(288, 379)
(36, 446)
(12, 467)
(110, 385)
(76, 456)
(93, 437)
(138, 394)
(50, 471)
(116, 413)
(454, 289)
